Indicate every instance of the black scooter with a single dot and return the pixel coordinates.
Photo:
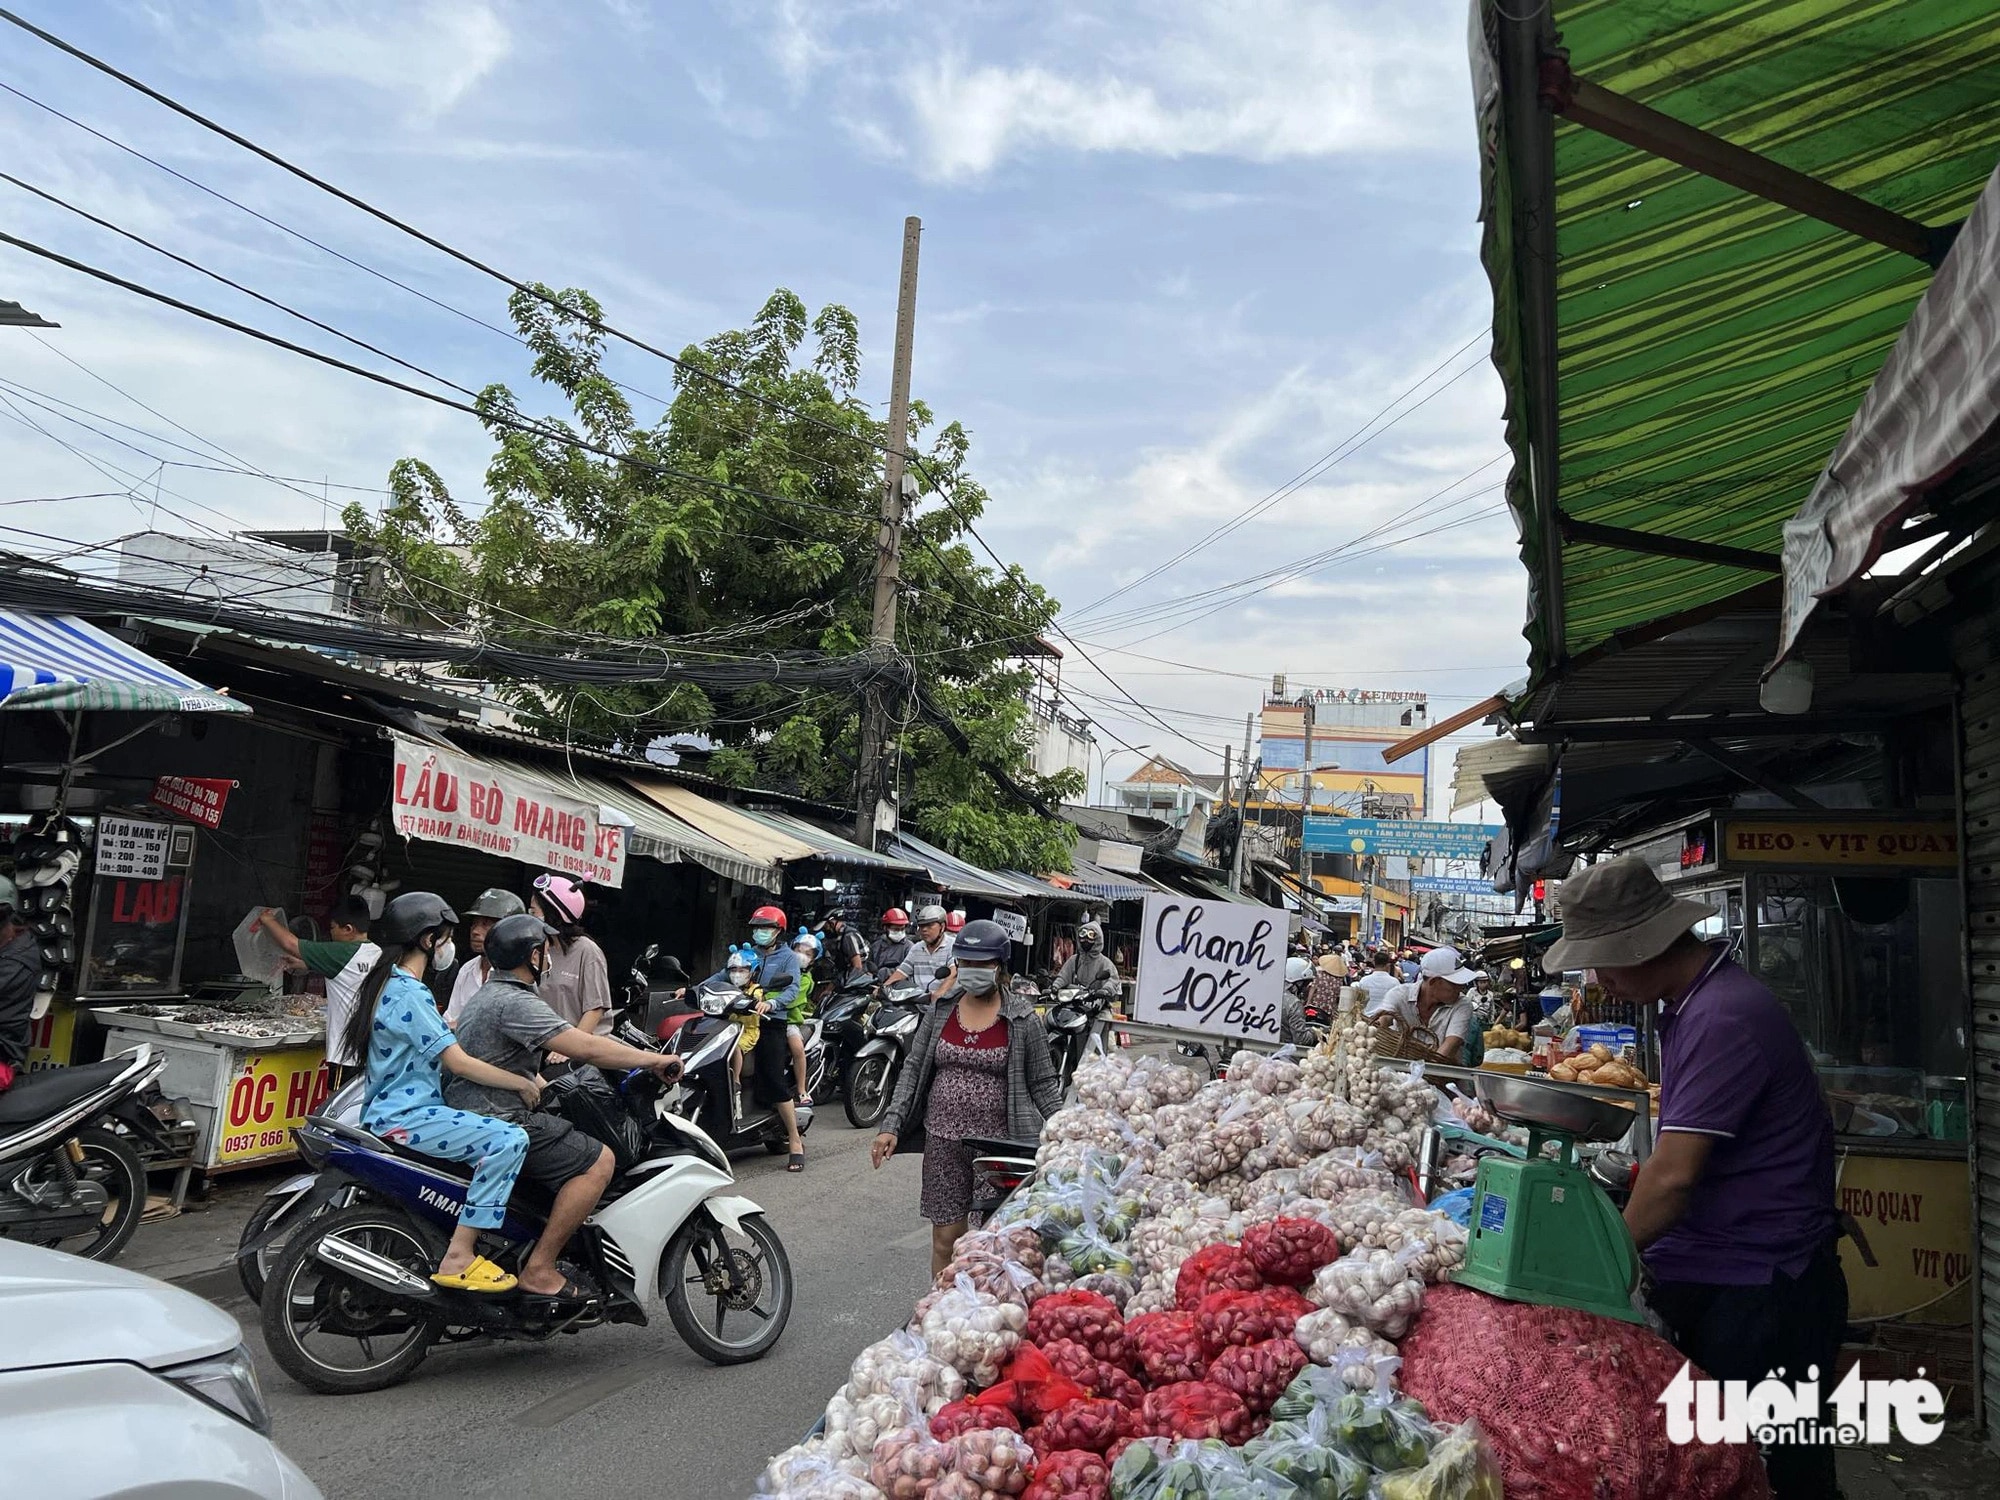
(869, 1080)
(1072, 1017)
(844, 1023)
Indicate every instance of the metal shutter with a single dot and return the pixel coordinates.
(1976, 655)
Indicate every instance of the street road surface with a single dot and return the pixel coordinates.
(631, 1412)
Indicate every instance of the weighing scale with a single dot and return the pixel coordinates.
(1542, 1231)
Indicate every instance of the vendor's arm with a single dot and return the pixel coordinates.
(1665, 1183)
(283, 936)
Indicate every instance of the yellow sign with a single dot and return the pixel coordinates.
(1858, 843)
(1917, 1216)
(271, 1093)
(52, 1039)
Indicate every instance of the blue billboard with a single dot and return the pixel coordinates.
(1415, 838)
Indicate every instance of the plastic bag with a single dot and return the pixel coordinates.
(1094, 1423)
(1374, 1287)
(969, 1413)
(1299, 1451)
(1160, 1469)
(973, 1332)
(1385, 1435)
(1460, 1468)
(1118, 1286)
(1031, 1386)
(1089, 1318)
(1167, 1346)
(1097, 1377)
(810, 1471)
(884, 1364)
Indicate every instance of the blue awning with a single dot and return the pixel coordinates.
(1108, 885)
(954, 874)
(61, 662)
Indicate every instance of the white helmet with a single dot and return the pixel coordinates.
(806, 942)
(1297, 968)
(929, 914)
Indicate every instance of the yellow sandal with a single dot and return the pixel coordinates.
(480, 1276)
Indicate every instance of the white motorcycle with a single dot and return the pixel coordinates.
(349, 1305)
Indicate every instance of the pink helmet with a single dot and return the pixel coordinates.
(563, 896)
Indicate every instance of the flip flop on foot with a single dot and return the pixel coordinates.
(571, 1295)
(480, 1276)
(797, 1162)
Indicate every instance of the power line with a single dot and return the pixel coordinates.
(1339, 452)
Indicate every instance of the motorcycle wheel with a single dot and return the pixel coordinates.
(307, 1299)
(111, 1163)
(692, 1284)
(864, 1090)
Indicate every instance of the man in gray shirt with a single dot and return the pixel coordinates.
(507, 1024)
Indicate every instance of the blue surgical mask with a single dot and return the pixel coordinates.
(763, 937)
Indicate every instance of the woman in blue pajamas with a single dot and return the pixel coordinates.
(395, 1025)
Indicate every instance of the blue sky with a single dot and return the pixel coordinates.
(1173, 254)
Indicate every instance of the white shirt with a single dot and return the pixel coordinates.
(341, 989)
(1446, 1022)
(925, 964)
(471, 975)
(1378, 983)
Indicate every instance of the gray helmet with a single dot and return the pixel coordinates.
(411, 915)
(514, 937)
(932, 913)
(494, 902)
(981, 942)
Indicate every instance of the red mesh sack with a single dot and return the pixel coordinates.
(1030, 1386)
(1568, 1401)
(1213, 1268)
(1166, 1347)
(971, 1414)
(1196, 1409)
(1094, 1423)
(1089, 1318)
(1096, 1376)
(1071, 1474)
(1229, 1318)
(1286, 1252)
(1258, 1372)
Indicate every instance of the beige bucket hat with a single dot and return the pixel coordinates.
(1616, 914)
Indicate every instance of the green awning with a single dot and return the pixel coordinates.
(1709, 346)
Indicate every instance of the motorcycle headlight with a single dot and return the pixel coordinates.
(713, 1004)
(901, 1026)
(227, 1382)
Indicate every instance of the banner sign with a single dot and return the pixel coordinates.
(1353, 906)
(1214, 966)
(1909, 843)
(1453, 885)
(271, 1094)
(132, 848)
(1414, 838)
(454, 799)
(199, 799)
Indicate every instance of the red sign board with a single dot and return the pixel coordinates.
(199, 799)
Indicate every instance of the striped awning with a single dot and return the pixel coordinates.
(61, 662)
(1108, 885)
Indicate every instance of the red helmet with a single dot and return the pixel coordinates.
(895, 916)
(767, 916)
(955, 922)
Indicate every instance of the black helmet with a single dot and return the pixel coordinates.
(983, 942)
(494, 902)
(412, 914)
(514, 938)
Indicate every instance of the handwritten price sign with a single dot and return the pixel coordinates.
(1211, 966)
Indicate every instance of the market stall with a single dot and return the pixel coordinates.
(1232, 1288)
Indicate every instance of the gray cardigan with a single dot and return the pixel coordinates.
(1033, 1090)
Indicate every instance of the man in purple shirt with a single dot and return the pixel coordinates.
(1734, 1211)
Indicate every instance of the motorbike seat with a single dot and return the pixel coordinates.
(36, 1096)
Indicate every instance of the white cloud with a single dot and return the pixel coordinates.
(429, 53)
(1260, 80)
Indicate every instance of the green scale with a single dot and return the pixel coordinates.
(1542, 1231)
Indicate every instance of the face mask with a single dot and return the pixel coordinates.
(1089, 945)
(537, 968)
(763, 937)
(444, 955)
(979, 981)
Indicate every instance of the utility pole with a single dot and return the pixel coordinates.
(1242, 813)
(873, 792)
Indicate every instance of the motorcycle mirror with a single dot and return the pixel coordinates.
(669, 966)
(652, 952)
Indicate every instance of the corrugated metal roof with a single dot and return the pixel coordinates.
(826, 846)
(954, 874)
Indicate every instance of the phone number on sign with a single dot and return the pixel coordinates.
(256, 1140)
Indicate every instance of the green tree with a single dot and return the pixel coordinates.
(741, 522)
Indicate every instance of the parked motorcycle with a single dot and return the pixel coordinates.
(869, 1082)
(1000, 1166)
(70, 1178)
(708, 1094)
(350, 1306)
